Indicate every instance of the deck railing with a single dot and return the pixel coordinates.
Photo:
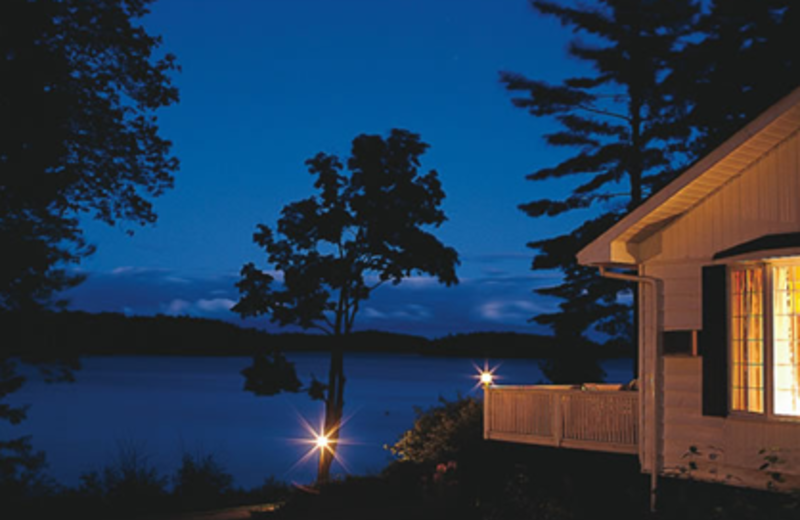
(593, 417)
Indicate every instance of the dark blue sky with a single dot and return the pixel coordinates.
(267, 84)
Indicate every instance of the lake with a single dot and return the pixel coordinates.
(165, 406)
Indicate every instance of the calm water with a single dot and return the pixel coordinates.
(169, 405)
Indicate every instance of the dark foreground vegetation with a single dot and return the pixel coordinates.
(443, 470)
(56, 334)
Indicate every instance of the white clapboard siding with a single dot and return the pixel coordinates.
(688, 436)
(721, 449)
(681, 299)
(764, 199)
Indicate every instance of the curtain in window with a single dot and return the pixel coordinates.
(786, 340)
(747, 340)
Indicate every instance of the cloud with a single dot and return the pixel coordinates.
(418, 282)
(215, 305)
(177, 307)
(505, 311)
(132, 270)
(419, 305)
(176, 279)
(394, 313)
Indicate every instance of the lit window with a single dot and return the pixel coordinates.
(765, 336)
(786, 340)
(747, 290)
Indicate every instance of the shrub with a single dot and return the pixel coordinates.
(200, 482)
(442, 433)
(128, 486)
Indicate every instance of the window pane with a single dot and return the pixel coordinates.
(747, 340)
(786, 334)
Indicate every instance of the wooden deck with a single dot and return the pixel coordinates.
(598, 418)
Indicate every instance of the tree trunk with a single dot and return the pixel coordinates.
(334, 408)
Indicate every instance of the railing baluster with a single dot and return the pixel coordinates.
(589, 419)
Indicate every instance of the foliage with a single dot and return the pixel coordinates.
(745, 61)
(201, 482)
(22, 474)
(442, 433)
(78, 137)
(271, 374)
(618, 124)
(669, 81)
(130, 485)
(370, 222)
(446, 453)
(334, 248)
(78, 134)
(573, 364)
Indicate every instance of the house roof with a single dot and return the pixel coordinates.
(617, 246)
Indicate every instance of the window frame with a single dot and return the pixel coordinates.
(767, 323)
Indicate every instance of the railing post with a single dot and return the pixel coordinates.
(558, 422)
(487, 412)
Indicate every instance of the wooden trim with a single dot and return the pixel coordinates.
(762, 245)
(630, 449)
(601, 246)
(522, 439)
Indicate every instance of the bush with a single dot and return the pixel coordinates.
(201, 483)
(129, 486)
(442, 433)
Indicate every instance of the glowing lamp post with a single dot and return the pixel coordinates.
(322, 442)
(485, 375)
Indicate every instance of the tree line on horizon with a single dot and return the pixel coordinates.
(78, 333)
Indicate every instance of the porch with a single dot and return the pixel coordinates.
(589, 417)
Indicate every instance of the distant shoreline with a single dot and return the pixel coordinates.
(79, 334)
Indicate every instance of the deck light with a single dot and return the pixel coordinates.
(486, 378)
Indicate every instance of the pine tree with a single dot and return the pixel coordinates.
(745, 61)
(620, 122)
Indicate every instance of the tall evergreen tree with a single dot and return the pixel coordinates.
(745, 61)
(620, 123)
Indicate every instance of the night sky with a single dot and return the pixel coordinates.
(267, 84)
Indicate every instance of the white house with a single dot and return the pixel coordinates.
(716, 254)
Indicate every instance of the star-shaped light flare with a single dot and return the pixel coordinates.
(486, 375)
(321, 441)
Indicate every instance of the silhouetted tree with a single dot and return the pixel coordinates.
(746, 61)
(360, 231)
(78, 136)
(619, 122)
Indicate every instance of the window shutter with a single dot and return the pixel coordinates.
(713, 341)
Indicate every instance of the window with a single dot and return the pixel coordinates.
(765, 339)
(747, 340)
(786, 340)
